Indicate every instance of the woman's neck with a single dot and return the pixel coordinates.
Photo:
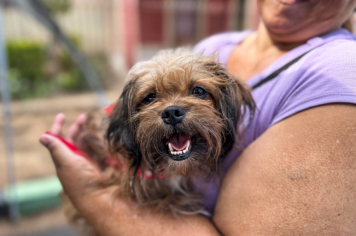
(265, 41)
(256, 53)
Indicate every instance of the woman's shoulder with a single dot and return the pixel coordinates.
(334, 61)
(326, 75)
(215, 42)
(336, 51)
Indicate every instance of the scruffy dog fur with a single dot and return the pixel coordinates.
(174, 122)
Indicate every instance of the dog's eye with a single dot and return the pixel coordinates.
(200, 92)
(149, 98)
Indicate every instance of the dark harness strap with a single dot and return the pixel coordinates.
(277, 72)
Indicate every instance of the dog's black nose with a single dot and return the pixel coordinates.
(173, 115)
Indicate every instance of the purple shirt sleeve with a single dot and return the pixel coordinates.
(221, 44)
(326, 75)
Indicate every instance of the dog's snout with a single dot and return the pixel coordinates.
(173, 115)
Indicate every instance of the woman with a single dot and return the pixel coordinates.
(297, 173)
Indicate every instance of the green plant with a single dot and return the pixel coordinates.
(65, 60)
(28, 57)
(26, 61)
(70, 78)
(57, 6)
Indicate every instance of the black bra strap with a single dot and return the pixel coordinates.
(277, 72)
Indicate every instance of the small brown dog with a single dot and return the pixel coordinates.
(176, 119)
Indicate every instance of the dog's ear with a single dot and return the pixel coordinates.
(235, 102)
(120, 133)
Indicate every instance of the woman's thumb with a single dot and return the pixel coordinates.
(60, 153)
(63, 157)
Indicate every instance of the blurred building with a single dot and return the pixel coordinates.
(171, 23)
(131, 30)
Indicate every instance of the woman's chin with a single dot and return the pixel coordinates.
(293, 2)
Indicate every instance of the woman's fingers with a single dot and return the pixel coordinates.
(74, 130)
(57, 125)
(76, 127)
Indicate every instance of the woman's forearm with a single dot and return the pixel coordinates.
(123, 219)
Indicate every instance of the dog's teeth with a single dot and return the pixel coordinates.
(170, 147)
(176, 152)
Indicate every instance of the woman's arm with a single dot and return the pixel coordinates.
(122, 218)
(298, 178)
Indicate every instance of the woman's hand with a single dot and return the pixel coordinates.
(77, 174)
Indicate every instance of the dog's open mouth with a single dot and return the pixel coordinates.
(179, 146)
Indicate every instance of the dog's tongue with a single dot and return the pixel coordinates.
(178, 141)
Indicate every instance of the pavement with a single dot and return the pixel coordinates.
(30, 118)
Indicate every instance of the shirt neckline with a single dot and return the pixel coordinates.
(290, 55)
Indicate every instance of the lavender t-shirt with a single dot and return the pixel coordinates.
(325, 75)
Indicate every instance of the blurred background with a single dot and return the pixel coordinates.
(72, 56)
